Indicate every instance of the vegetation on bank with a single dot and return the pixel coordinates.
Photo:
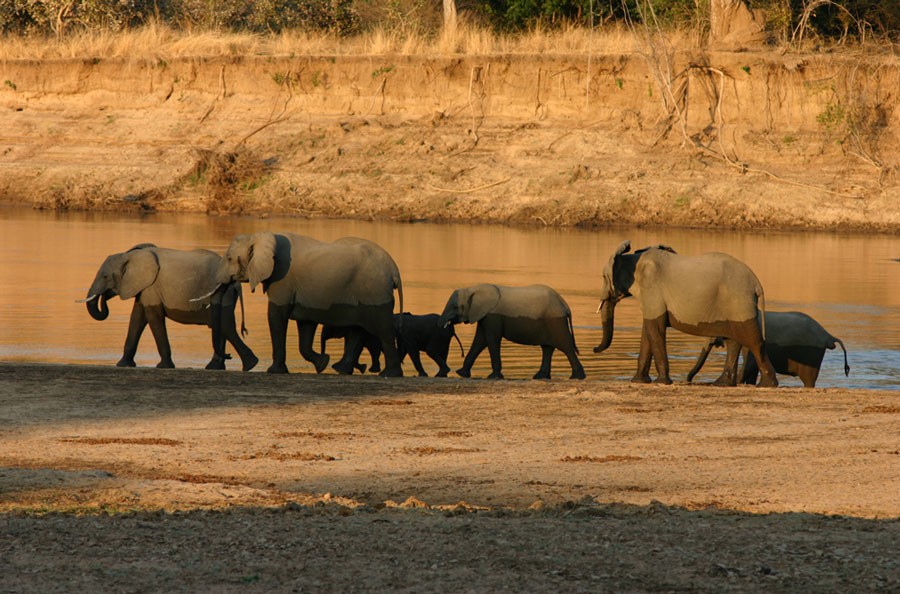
(410, 26)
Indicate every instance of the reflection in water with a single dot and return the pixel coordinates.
(848, 283)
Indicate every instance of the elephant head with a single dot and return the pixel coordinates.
(618, 279)
(470, 305)
(249, 258)
(125, 275)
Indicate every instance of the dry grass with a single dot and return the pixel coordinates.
(159, 42)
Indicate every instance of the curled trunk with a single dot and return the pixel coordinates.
(607, 316)
(97, 308)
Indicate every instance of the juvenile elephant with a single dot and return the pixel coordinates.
(535, 315)
(415, 333)
(370, 342)
(348, 282)
(162, 283)
(795, 343)
(706, 295)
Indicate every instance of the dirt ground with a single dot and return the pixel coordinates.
(148, 480)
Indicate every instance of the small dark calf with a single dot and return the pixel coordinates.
(415, 334)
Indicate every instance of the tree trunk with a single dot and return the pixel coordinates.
(450, 15)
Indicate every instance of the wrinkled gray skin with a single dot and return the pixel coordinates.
(348, 282)
(162, 283)
(706, 295)
(795, 343)
(415, 334)
(535, 315)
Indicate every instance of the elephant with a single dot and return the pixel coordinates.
(533, 315)
(415, 333)
(347, 282)
(370, 342)
(709, 294)
(795, 343)
(162, 282)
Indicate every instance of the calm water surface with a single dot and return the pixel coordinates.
(849, 283)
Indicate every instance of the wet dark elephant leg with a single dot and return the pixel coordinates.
(306, 333)
(493, 334)
(438, 351)
(278, 321)
(729, 376)
(546, 361)
(479, 343)
(136, 326)
(353, 347)
(645, 356)
(653, 334)
(156, 318)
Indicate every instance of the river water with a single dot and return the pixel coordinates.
(849, 283)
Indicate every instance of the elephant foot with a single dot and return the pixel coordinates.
(496, 375)
(640, 379)
(343, 368)
(217, 363)
(125, 362)
(165, 365)
(579, 374)
(360, 367)
(250, 362)
(663, 381)
(463, 372)
(277, 368)
(766, 383)
(442, 372)
(541, 375)
(724, 380)
(391, 372)
(375, 368)
(423, 374)
(322, 362)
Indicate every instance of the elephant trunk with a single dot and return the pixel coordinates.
(98, 308)
(607, 313)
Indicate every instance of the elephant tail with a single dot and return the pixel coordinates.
(846, 365)
(453, 333)
(572, 331)
(244, 331)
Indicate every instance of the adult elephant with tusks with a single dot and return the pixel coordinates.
(534, 315)
(706, 295)
(347, 282)
(162, 283)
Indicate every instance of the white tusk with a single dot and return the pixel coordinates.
(207, 296)
(91, 298)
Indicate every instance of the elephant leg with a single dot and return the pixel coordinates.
(248, 357)
(729, 372)
(479, 343)
(353, 347)
(278, 322)
(546, 360)
(438, 354)
(749, 335)
(136, 326)
(373, 345)
(382, 326)
(417, 362)
(577, 367)
(156, 317)
(751, 368)
(645, 356)
(493, 335)
(306, 333)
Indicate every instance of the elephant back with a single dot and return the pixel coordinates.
(532, 301)
(795, 328)
(183, 274)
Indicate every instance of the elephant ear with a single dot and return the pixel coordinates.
(482, 300)
(139, 271)
(609, 284)
(260, 258)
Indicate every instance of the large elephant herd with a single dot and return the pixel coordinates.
(348, 285)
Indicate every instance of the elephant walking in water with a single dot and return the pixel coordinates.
(348, 282)
(535, 315)
(706, 295)
(162, 283)
(795, 343)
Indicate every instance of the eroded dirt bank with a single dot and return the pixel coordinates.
(794, 142)
(259, 482)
